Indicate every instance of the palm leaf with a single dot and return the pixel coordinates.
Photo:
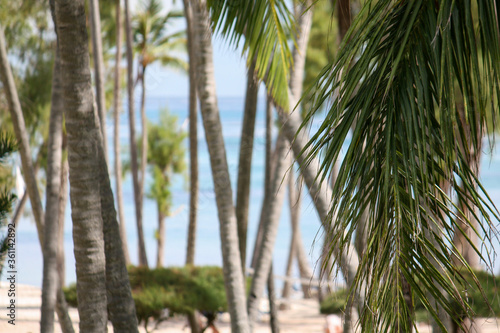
(398, 82)
(265, 27)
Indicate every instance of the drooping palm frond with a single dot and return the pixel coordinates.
(398, 82)
(265, 26)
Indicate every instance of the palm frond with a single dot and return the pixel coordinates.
(265, 27)
(398, 82)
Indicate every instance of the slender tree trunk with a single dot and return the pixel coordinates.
(116, 142)
(121, 306)
(273, 309)
(133, 143)
(161, 238)
(50, 282)
(95, 24)
(229, 242)
(271, 216)
(144, 153)
(21, 136)
(63, 200)
(296, 245)
(193, 142)
(84, 134)
(22, 139)
(270, 161)
(272, 210)
(245, 160)
(233, 277)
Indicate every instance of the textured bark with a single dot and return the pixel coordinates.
(116, 140)
(121, 306)
(273, 309)
(271, 216)
(233, 276)
(193, 140)
(62, 313)
(95, 29)
(133, 143)
(245, 160)
(161, 238)
(84, 141)
(63, 200)
(50, 282)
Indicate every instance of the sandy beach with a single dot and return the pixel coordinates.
(303, 316)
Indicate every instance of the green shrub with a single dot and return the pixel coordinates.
(335, 303)
(181, 290)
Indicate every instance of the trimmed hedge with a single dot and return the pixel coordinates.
(181, 290)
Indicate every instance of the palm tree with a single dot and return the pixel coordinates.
(398, 79)
(233, 275)
(193, 140)
(245, 160)
(152, 44)
(166, 158)
(143, 259)
(100, 264)
(116, 141)
(54, 159)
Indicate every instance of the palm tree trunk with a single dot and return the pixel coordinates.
(63, 200)
(273, 309)
(270, 161)
(143, 259)
(193, 141)
(233, 276)
(121, 306)
(22, 139)
(245, 160)
(133, 143)
(271, 216)
(95, 28)
(296, 245)
(116, 142)
(161, 238)
(84, 137)
(50, 282)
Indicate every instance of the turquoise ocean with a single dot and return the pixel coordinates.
(208, 251)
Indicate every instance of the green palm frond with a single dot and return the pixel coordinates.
(398, 82)
(265, 26)
(8, 145)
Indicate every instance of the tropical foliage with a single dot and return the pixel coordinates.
(398, 82)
